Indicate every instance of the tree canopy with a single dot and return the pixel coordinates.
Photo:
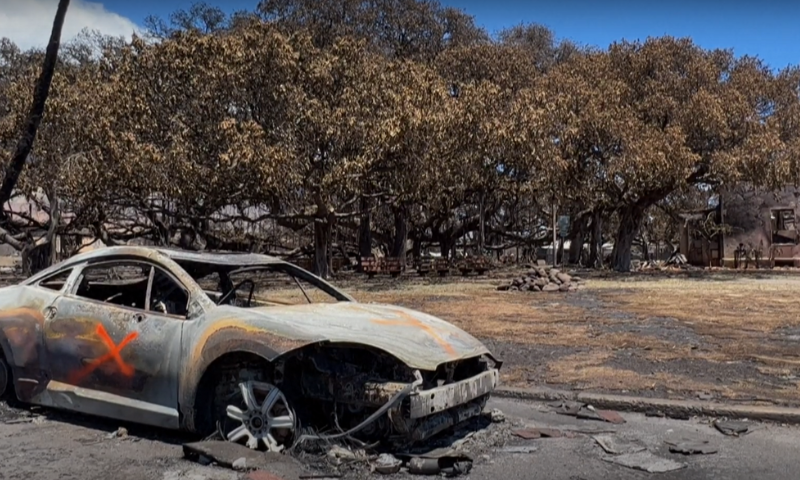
(305, 126)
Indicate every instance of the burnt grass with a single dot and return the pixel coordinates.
(530, 363)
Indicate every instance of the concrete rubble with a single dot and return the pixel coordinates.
(544, 279)
(645, 461)
(450, 453)
(616, 445)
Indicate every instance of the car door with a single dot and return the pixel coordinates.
(110, 352)
(23, 309)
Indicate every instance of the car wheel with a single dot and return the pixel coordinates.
(5, 378)
(259, 415)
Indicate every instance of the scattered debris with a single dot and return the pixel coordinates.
(544, 279)
(705, 396)
(652, 412)
(587, 412)
(387, 464)
(533, 433)
(121, 432)
(645, 461)
(338, 455)
(732, 428)
(691, 447)
(235, 456)
(240, 464)
(497, 416)
(518, 449)
(448, 462)
(611, 417)
(618, 446)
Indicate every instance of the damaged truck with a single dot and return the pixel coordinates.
(248, 345)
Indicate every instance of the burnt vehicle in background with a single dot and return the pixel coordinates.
(245, 344)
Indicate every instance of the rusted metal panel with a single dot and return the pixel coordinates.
(103, 404)
(440, 422)
(442, 398)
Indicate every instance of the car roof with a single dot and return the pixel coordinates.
(233, 259)
(185, 258)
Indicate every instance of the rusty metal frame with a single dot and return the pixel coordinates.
(439, 399)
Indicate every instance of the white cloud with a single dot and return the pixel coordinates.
(28, 22)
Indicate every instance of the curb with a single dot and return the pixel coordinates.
(680, 409)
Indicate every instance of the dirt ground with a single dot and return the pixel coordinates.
(709, 334)
(723, 335)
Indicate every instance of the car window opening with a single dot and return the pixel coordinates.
(127, 285)
(259, 286)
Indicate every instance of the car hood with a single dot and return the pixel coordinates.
(419, 340)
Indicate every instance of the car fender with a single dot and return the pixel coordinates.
(220, 338)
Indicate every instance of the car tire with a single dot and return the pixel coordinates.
(6, 381)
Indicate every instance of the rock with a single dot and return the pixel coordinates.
(497, 416)
(503, 288)
(550, 288)
(540, 282)
(564, 287)
(563, 277)
(240, 464)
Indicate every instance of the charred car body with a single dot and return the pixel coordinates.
(247, 344)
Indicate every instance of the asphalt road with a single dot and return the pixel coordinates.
(62, 446)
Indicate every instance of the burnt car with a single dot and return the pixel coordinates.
(245, 344)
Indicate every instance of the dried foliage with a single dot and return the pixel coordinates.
(400, 116)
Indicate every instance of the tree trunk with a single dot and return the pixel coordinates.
(416, 247)
(365, 231)
(576, 238)
(400, 233)
(596, 248)
(322, 234)
(445, 247)
(630, 218)
(40, 93)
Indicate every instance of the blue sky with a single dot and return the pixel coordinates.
(770, 31)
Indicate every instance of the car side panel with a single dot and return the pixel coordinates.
(21, 335)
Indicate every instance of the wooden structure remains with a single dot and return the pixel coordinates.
(758, 229)
(477, 264)
(375, 265)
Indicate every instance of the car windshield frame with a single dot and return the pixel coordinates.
(199, 270)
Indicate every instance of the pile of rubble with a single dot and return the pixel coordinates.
(544, 279)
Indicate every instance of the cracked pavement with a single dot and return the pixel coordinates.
(60, 445)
